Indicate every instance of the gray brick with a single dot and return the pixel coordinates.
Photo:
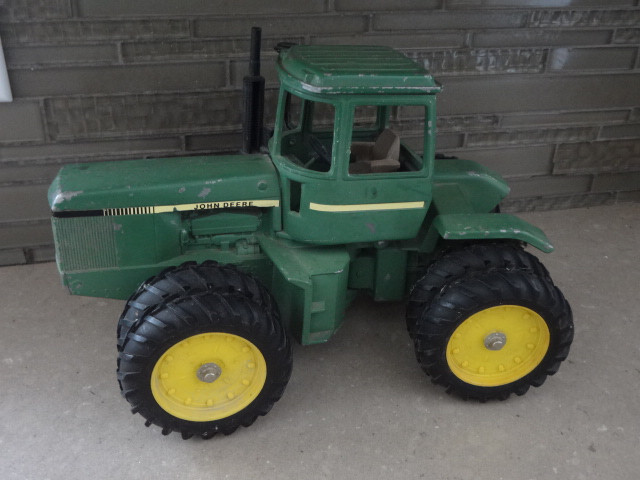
(33, 173)
(22, 202)
(623, 197)
(627, 35)
(565, 118)
(537, 136)
(594, 157)
(77, 54)
(42, 254)
(465, 123)
(16, 10)
(449, 141)
(531, 204)
(283, 25)
(512, 161)
(502, 94)
(517, 60)
(61, 153)
(118, 8)
(617, 182)
(592, 58)
(418, 40)
(540, 38)
(456, 4)
(26, 234)
(20, 122)
(393, 5)
(86, 117)
(631, 130)
(584, 18)
(635, 114)
(70, 32)
(117, 79)
(182, 49)
(549, 185)
(198, 49)
(448, 20)
(12, 256)
(223, 142)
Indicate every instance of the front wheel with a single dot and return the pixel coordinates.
(204, 364)
(494, 333)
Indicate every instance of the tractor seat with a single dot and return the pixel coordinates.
(380, 156)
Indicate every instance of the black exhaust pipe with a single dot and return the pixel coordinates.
(253, 92)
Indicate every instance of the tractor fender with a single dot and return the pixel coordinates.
(490, 226)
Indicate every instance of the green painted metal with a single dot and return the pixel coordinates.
(357, 69)
(311, 230)
(490, 226)
(464, 186)
(390, 274)
(120, 282)
(164, 181)
(312, 281)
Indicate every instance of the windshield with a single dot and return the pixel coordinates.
(307, 139)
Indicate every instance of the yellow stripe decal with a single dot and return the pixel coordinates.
(191, 206)
(365, 207)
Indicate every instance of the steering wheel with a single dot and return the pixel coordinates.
(319, 149)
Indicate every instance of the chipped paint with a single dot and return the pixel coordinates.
(65, 196)
(205, 191)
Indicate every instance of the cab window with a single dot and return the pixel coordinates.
(308, 133)
(387, 139)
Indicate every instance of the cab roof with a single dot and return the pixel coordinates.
(353, 69)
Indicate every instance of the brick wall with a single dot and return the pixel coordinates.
(545, 92)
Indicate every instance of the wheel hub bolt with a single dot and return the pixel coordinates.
(495, 341)
(209, 372)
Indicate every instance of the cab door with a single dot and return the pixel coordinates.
(340, 206)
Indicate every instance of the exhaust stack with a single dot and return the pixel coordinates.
(253, 92)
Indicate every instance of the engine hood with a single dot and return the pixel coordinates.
(166, 184)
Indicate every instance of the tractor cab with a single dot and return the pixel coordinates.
(353, 143)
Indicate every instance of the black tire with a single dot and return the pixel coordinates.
(456, 263)
(180, 324)
(508, 297)
(189, 278)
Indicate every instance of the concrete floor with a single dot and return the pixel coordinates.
(357, 407)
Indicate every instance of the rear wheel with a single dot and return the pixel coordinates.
(456, 263)
(490, 334)
(205, 363)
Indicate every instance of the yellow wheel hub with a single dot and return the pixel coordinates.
(208, 376)
(498, 345)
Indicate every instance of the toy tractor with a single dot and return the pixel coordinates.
(223, 259)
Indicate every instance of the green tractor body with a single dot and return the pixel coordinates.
(314, 235)
(329, 209)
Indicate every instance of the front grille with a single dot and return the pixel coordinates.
(84, 243)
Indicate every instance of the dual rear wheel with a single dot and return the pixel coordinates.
(487, 321)
(202, 350)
